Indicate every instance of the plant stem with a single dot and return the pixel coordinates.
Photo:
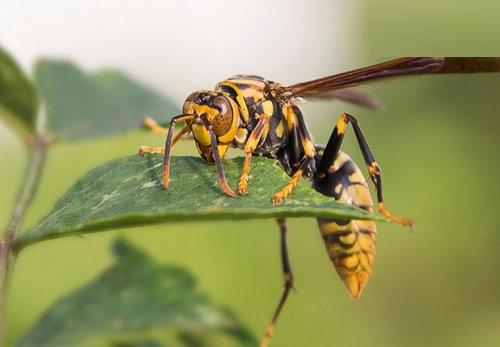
(28, 189)
(6, 262)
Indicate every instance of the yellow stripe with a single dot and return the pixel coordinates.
(309, 150)
(239, 98)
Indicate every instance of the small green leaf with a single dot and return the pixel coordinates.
(80, 105)
(136, 302)
(128, 192)
(18, 99)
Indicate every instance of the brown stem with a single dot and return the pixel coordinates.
(24, 199)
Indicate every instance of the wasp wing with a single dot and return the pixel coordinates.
(392, 68)
(351, 95)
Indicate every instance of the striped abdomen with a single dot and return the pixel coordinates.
(350, 244)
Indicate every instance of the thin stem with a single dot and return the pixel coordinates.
(29, 187)
(6, 263)
(24, 199)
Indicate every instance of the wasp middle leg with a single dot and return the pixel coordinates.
(332, 149)
(288, 283)
(250, 146)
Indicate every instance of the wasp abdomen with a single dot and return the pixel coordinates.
(350, 244)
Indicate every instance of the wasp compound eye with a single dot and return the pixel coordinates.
(224, 119)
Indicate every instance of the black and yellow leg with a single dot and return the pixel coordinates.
(288, 283)
(286, 190)
(332, 149)
(305, 138)
(296, 124)
(250, 145)
(169, 144)
(151, 124)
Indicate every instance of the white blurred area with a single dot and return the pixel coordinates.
(181, 46)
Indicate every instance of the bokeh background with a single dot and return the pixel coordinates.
(437, 141)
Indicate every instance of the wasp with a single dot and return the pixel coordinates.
(262, 117)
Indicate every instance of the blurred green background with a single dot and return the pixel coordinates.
(437, 142)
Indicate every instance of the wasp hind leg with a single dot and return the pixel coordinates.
(288, 283)
(330, 154)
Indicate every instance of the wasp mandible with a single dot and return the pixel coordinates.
(262, 117)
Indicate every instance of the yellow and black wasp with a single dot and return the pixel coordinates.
(262, 117)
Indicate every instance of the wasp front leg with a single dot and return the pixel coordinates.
(252, 142)
(154, 127)
(302, 150)
(332, 149)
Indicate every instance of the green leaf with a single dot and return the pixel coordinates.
(18, 99)
(128, 192)
(146, 343)
(136, 302)
(80, 105)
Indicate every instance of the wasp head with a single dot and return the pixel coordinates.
(213, 112)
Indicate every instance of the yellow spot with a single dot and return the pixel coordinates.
(342, 124)
(267, 107)
(338, 188)
(280, 129)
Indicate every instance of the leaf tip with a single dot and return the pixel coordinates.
(123, 249)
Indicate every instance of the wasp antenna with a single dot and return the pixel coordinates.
(168, 146)
(218, 162)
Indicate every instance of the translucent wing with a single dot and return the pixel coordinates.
(391, 68)
(351, 95)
